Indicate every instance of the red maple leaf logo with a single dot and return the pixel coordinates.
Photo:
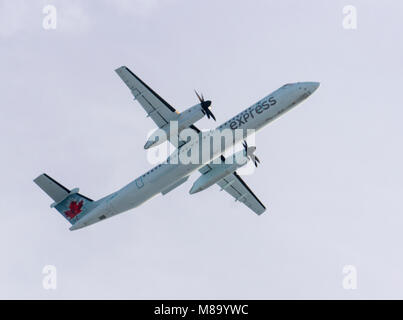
(75, 209)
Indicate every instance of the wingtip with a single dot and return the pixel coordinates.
(36, 179)
(120, 68)
(260, 212)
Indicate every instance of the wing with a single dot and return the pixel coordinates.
(236, 187)
(233, 184)
(179, 143)
(157, 108)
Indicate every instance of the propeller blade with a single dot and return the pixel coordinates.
(200, 98)
(211, 114)
(250, 153)
(253, 158)
(205, 106)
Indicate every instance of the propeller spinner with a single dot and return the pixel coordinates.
(205, 106)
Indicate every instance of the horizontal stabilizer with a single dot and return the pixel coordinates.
(71, 205)
(52, 188)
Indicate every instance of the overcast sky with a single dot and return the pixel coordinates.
(331, 172)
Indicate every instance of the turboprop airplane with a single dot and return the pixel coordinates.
(81, 211)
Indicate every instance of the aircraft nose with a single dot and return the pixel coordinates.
(311, 86)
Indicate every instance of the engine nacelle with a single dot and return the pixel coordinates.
(190, 116)
(219, 172)
(184, 119)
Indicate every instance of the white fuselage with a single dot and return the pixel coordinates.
(167, 174)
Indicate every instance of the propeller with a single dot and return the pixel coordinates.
(250, 153)
(205, 106)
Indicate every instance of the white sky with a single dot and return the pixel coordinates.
(330, 176)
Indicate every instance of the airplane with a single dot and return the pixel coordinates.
(82, 211)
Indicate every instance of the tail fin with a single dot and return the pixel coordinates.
(72, 205)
